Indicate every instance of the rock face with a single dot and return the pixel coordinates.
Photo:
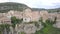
(27, 28)
(29, 15)
(57, 25)
(30, 28)
(44, 15)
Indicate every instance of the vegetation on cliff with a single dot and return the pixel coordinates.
(48, 27)
(5, 7)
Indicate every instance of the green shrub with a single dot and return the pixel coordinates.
(48, 28)
(22, 33)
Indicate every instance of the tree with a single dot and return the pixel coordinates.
(4, 28)
(7, 28)
(41, 20)
(58, 11)
(14, 22)
(55, 20)
(48, 28)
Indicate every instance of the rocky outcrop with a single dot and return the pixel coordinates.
(30, 28)
(27, 28)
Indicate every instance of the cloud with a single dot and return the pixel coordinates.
(30, 3)
(39, 3)
(1, 1)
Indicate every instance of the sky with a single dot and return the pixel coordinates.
(47, 4)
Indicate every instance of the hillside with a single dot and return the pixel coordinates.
(4, 7)
(49, 10)
(38, 9)
(53, 10)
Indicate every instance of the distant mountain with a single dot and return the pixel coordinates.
(53, 10)
(49, 10)
(37, 9)
(4, 7)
